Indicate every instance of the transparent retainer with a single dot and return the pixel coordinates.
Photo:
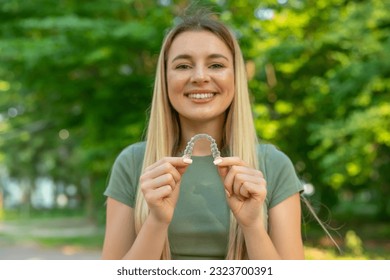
(213, 145)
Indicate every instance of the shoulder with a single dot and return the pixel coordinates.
(124, 174)
(137, 149)
(279, 172)
(130, 159)
(270, 155)
(133, 152)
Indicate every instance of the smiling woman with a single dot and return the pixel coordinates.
(200, 77)
(245, 205)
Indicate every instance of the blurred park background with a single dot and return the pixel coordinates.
(76, 80)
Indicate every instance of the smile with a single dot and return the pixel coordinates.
(200, 95)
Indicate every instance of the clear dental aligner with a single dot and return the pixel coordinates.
(190, 146)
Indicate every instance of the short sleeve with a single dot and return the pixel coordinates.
(282, 180)
(124, 176)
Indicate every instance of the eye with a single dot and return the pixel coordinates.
(216, 66)
(183, 67)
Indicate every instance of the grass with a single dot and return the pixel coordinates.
(93, 242)
(327, 253)
(368, 241)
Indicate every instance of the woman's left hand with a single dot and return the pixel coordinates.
(245, 190)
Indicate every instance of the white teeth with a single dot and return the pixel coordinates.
(200, 95)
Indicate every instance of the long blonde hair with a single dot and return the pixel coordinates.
(163, 132)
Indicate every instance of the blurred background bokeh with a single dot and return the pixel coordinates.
(76, 80)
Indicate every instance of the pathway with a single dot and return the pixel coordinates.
(17, 239)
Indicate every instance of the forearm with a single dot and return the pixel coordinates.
(259, 244)
(149, 242)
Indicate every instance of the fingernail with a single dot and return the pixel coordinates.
(227, 193)
(217, 161)
(187, 160)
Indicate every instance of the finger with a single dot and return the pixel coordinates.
(148, 181)
(244, 192)
(166, 179)
(229, 161)
(162, 168)
(223, 171)
(156, 195)
(177, 162)
(243, 176)
(225, 164)
(256, 191)
(238, 186)
(231, 177)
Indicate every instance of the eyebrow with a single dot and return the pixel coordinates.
(187, 56)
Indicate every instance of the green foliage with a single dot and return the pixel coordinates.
(353, 243)
(76, 82)
(328, 60)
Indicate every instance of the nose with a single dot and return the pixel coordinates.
(200, 75)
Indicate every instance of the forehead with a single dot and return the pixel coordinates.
(198, 42)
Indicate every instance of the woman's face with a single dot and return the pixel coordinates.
(200, 76)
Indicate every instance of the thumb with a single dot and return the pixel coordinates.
(223, 171)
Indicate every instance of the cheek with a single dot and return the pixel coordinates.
(173, 88)
(226, 77)
(227, 81)
(175, 84)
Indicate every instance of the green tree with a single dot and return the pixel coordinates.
(76, 81)
(325, 69)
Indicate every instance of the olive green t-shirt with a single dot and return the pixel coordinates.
(200, 225)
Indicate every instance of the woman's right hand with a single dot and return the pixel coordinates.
(160, 185)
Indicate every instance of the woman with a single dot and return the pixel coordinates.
(245, 207)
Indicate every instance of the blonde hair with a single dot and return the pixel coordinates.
(163, 132)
